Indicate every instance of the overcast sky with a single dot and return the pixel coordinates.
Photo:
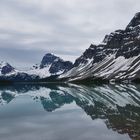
(31, 28)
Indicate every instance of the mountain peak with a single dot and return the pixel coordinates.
(137, 14)
(2, 64)
(135, 21)
(49, 54)
(5, 68)
(48, 59)
(53, 64)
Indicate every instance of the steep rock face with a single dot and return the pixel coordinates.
(122, 42)
(117, 57)
(135, 21)
(60, 65)
(6, 68)
(48, 59)
(55, 64)
(93, 52)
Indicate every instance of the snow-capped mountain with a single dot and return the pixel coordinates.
(116, 58)
(50, 65)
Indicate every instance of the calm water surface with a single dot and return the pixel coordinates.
(70, 112)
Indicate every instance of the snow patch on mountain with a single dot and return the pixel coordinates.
(118, 58)
(42, 73)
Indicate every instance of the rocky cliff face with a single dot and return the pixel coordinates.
(57, 64)
(6, 68)
(121, 42)
(48, 59)
(117, 57)
(53, 65)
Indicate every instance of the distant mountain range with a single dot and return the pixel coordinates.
(50, 65)
(117, 58)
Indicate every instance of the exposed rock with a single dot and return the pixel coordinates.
(116, 58)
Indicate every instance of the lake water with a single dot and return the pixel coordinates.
(70, 112)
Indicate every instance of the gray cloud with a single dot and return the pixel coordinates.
(31, 28)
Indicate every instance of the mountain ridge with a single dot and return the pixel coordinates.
(117, 58)
(50, 65)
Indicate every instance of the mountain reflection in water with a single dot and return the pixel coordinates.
(117, 105)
